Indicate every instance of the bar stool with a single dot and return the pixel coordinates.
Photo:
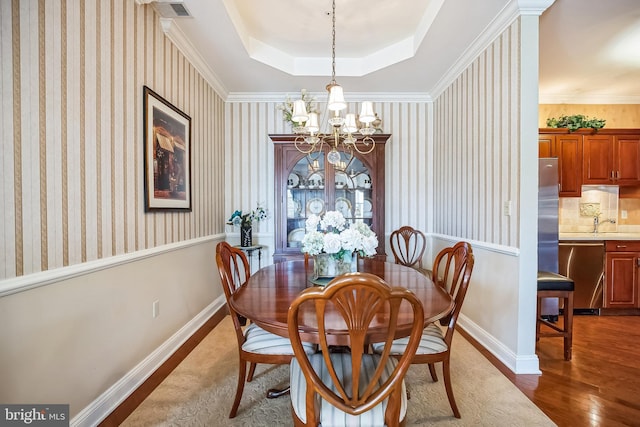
(552, 285)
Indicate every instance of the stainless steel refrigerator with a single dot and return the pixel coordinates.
(548, 200)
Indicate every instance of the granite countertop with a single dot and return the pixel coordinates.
(599, 236)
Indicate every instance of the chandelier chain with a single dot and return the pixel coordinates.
(333, 44)
(310, 139)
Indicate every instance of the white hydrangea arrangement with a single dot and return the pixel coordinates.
(332, 234)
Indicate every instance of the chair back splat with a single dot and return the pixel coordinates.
(408, 246)
(332, 388)
(448, 270)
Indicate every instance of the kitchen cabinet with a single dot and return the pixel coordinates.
(568, 149)
(621, 272)
(612, 157)
(306, 184)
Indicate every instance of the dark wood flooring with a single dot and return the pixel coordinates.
(600, 386)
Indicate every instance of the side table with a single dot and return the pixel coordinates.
(249, 250)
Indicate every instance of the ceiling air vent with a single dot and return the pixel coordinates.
(171, 9)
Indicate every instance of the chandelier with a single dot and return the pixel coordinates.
(342, 128)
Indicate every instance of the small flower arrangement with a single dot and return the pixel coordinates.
(238, 218)
(331, 234)
(287, 106)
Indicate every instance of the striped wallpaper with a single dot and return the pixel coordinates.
(249, 159)
(476, 148)
(71, 77)
(450, 175)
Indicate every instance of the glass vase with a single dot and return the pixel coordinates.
(327, 266)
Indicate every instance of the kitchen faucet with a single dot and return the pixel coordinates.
(597, 222)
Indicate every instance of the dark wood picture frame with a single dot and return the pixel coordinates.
(167, 155)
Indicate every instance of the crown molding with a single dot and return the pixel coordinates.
(502, 21)
(533, 7)
(237, 97)
(178, 38)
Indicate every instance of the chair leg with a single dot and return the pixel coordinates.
(242, 369)
(447, 385)
(432, 370)
(568, 326)
(252, 370)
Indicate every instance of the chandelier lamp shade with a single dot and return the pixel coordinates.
(343, 128)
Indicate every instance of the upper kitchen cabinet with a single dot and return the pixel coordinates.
(612, 156)
(568, 149)
(309, 184)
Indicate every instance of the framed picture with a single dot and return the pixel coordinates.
(167, 155)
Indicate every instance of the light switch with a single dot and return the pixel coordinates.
(507, 208)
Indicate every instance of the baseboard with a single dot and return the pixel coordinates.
(115, 404)
(517, 364)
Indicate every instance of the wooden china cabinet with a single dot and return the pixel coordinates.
(306, 184)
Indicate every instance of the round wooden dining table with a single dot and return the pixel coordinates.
(266, 298)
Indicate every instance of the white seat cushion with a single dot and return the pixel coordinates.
(330, 415)
(257, 340)
(431, 342)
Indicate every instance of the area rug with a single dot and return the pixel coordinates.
(200, 391)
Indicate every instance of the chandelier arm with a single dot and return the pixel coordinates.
(367, 142)
(300, 143)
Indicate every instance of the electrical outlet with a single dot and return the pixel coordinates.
(156, 308)
(623, 214)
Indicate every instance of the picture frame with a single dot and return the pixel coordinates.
(167, 155)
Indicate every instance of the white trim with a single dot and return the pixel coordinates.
(528, 364)
(491, 247)
(175, 34)
(500, 23)
(237, 97)
(44, 278)
(108, 401)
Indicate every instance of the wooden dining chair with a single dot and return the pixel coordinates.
(447, 268)
(356, 387)
(255, 345)
(435, 345)
(408, 246)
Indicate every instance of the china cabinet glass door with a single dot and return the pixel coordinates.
(315, 186)
(306, 194)
(309, 184)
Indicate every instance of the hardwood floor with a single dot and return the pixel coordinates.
(600, 386)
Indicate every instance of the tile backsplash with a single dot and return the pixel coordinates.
(576, 213)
